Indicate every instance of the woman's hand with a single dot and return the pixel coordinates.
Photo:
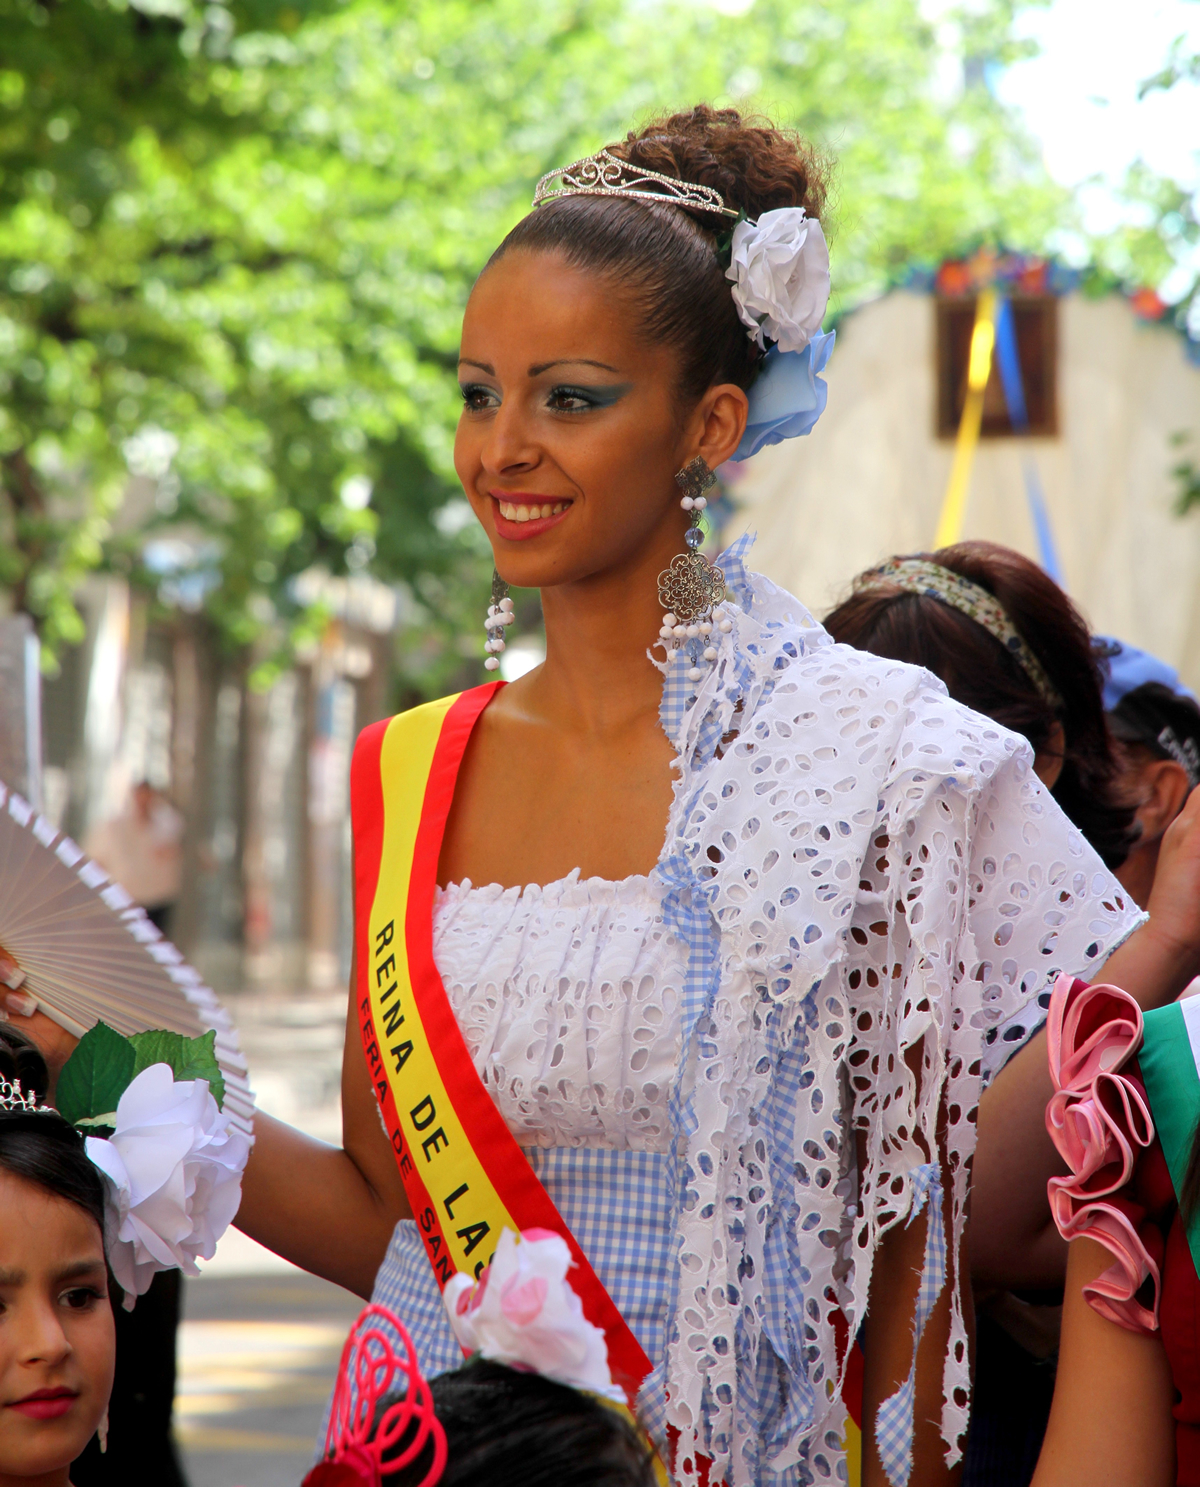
(55, 1044)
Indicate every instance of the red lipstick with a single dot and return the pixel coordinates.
(45, 1404)
(527, 502)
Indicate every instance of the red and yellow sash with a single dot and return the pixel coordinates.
(464, 1174)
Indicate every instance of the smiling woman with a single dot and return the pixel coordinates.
(677, 947)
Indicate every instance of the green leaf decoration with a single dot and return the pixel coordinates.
(158, 1047)
(188, 1058)
(96, 1075)
(200, 1062)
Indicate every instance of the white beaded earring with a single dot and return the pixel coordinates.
(102, 1431)
(692, 588)
(499, 616)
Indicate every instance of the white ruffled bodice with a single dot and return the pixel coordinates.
(568, 998)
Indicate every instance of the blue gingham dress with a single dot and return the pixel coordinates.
(568, 998)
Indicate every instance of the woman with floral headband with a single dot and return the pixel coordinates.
(685, 945)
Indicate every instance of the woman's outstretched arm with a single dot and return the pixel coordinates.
(1013, 1242)
(329, 1210)
(1111, 1419)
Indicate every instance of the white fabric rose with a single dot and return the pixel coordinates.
(523, 1312)
(173, 1177)
(780, 274)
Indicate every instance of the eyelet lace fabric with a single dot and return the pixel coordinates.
(866, 873)
(568, 999)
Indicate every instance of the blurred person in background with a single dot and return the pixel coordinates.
(1156, 720)
(1007, 642)
(142, 849)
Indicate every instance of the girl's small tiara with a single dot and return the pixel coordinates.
(14, 1100)
(606, 175)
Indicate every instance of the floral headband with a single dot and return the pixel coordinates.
(779, 269)
(149, 1109)
(932, 581)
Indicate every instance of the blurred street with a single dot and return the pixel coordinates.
(260, 1342)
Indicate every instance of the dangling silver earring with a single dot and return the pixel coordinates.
(499, 616)
(102, 1431)
(692, 588)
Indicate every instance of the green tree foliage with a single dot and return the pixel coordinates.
(1159, 238)
(1160, 242)
(236, 240)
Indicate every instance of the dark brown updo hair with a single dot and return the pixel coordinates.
(985, 675)
(666, 258)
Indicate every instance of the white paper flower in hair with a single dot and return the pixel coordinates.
(523, 1312)
(780, 274)
(173, 1170)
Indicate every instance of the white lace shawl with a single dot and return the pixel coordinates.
(886, 874)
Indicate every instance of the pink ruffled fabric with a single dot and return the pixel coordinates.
(1099, 1121)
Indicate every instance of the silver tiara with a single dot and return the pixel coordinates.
(14, 1100)
(606, 175)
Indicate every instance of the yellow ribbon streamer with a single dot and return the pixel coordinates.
(979, 368)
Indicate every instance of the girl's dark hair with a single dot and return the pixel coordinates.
(510, 1429)
(983, 674)
(44, 1149)
(665, 258)
(1162, 721)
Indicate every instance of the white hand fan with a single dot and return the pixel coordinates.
(90, 954)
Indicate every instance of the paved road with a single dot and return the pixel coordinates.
(257, 1357)
(260, 1341)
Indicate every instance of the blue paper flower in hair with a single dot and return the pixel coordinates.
(788, 396)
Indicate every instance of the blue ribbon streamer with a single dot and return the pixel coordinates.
(1009, 364)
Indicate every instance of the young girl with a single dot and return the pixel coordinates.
(536, 1406)
(57, 1337)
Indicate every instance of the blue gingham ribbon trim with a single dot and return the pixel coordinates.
(679, 694)
(894, 1422)
(769, 1413)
